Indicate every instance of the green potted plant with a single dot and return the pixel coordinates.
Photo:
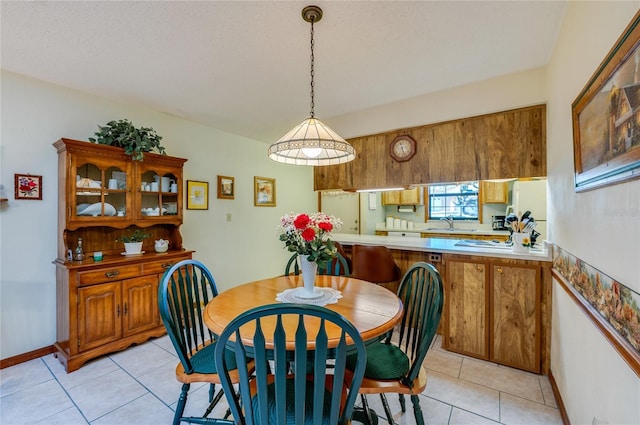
(134, 141)
(133, 241)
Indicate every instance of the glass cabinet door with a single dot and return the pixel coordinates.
(100, 191)
(159, 191)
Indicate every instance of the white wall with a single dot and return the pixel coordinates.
(602, 227)
(35, 114)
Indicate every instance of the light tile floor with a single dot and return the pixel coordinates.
(137, 386)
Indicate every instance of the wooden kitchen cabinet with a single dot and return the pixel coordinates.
(106, 306)
(493, 310)
(499, 145)
(515, 316)
(492, 192)
(403, 197)
(466, 307)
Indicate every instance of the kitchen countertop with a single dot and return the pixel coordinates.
(440, 245)
(445, 230)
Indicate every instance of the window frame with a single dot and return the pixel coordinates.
(477, 194)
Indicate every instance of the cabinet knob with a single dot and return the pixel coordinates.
(500, 270)
(480, 268)
(111, 274)
(166, 265)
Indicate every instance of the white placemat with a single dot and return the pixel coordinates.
(325, 296)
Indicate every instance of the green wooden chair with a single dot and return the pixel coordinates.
(308, 393)
(184, 291)
(395, 365)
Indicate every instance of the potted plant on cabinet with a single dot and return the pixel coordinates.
(133, 241)
(134, 141)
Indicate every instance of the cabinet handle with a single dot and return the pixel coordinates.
(500, 270)
(125, 309)
(118, 310)
(111, 274)
(166, 265)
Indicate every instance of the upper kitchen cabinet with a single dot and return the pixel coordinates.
(503, 145)
(494, 192)
(403, 197)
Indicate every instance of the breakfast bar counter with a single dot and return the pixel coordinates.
(497, 302)
(446, 246)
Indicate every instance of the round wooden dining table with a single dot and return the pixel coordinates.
(372, 309)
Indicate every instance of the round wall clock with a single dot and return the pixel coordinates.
(402, 148)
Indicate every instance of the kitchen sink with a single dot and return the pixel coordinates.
(442, 229)
(479, 243)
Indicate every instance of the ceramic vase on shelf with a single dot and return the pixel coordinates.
(308, 270)
(131, 248)
(521, 242)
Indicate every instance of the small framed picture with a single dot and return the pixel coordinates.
(197, 195)
(264, 190)
(226, 187)
(28, 187)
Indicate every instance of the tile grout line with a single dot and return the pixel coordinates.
(65, 391)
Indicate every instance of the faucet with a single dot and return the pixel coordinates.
(449, 220)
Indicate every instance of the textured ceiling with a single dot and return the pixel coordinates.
(243, 66)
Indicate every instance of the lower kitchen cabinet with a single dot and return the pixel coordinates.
(515, 316)
(493, 310)
(466, 307)
(107, 306)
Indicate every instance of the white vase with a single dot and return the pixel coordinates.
(308, 270)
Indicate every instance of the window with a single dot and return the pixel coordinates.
(459, 200)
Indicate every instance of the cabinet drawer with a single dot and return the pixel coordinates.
(159, 267)
(108, 274)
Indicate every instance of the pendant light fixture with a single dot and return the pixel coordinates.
(312, 142)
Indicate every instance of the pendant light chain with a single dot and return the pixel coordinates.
(312, 73)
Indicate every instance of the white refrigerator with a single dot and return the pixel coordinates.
(531, 196)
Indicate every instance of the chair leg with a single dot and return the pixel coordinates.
(387, 410)
(403, 404)
(213, 403)
(417, 410)
(364, 414)
(182, 401)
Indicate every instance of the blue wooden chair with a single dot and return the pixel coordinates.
(276, 335)
(339, 266)
(395, 364)
(184, 291)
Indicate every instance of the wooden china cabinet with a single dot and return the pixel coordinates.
(105, 306)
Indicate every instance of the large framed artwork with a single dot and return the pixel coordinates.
(264, 189)
(606, 117)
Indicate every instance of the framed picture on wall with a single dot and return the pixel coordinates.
(606, 117)
(264, 190)
(197, 195)
(226, 187)
(28, 187)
